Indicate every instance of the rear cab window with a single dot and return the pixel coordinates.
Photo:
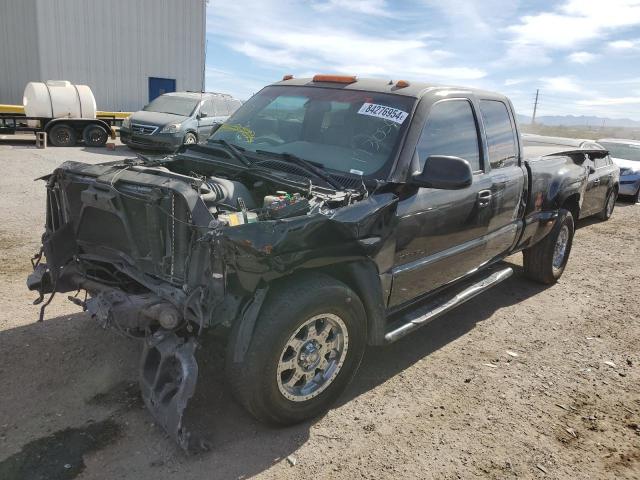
(501, 136)
(451, 130)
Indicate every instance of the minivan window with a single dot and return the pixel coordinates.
(450, 130)
(207, 107)
(173, 105)
(501, 139)
(233, 105)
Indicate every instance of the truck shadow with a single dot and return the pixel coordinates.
(93, 373)
(382, 363)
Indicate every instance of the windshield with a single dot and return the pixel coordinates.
(626, 151)
(174, 105)
(346, 130)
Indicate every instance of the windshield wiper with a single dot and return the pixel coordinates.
(236, 152)
(306, 164)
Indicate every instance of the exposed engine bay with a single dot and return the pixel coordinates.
(165, 249)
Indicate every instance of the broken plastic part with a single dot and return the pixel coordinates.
(168, 376)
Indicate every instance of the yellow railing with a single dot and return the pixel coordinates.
(19, 110)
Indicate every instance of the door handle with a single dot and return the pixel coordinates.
(484, 197)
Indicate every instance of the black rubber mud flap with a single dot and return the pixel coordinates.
(168, 376)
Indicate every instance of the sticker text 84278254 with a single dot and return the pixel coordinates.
(381, 111)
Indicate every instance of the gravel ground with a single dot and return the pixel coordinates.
(524, 381)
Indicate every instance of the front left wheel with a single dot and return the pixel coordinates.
(307, 345)
(190, 139)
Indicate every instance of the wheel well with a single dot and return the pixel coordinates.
(360, 276)
(573, 205)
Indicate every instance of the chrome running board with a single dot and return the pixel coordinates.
(419, 317)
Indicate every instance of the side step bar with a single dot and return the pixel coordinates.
(420, 317)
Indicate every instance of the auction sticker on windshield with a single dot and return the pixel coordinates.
(381, 111)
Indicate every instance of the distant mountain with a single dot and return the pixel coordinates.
(580, 121)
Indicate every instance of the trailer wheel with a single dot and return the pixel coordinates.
(94, 136)
(62, 136)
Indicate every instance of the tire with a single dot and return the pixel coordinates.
(62, 136)
(190, 138)
(264, 385)
(540, 261)
(609, 205)
(636, 198)
(94, 136)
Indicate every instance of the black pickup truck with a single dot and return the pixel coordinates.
(326, 214)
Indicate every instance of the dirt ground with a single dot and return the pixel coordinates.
(524, 381)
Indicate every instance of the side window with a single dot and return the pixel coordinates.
(601, 162)
(501, 138)
(207, 107)
(232, 105)
(450, 130)
(220, 107)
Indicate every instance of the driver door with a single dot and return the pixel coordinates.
(441, 233)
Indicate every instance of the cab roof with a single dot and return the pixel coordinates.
(414, 89)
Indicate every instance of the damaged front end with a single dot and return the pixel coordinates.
(167, 250)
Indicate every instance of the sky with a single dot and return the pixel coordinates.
(583, 56)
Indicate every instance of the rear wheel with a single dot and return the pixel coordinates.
(545, 261)
(94, 136)
(306, 347)
(62, 136)
(609, 205)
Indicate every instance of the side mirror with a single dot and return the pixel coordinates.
(202, 115)
(445, 173)
(592, 170)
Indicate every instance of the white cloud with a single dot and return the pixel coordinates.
(574, 23)
(625, 44)
(561, 84)
(242, 86)
(515, 81)
(367, 7)
(282, 35)
(582, 57)
(610, 101)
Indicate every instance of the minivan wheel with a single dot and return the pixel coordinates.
(190, 138)
(545, 261)
(307, 345)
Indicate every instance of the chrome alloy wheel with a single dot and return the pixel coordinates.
(561, 247)
(312, 357)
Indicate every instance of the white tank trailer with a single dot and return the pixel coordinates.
(65, 111)
(58, 99)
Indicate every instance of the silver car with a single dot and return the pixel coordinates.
(626, 154)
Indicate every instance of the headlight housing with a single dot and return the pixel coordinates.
(126, 123)
(627, 171)
(171, 128)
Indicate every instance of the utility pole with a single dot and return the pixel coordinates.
(535, 107)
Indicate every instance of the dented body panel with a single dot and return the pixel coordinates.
(170, 248)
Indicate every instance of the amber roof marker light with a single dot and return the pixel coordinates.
(287, 77)
(402, 84)
(335, 78)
